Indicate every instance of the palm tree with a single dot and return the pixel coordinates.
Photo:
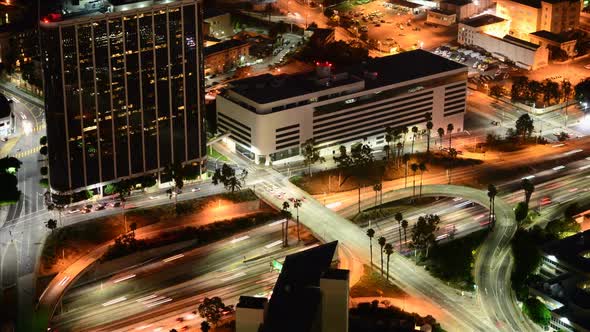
(381, 242)
(297, 205)
(429, 125)
(528, 188)
(287, 215)
(399, 217)
(205, 327)
(453, 155)
(400, 149)
(450, 129)
(566, 88)
(371, 234)
(405, 133)
(414, 167)
(405, 227)
(414, 132)
(422, 167)
(51, 224)
(441, 134)
(406, 159)
(492, 192)
(176, 171)
(387, 150)
(388, 252)
(377, 188)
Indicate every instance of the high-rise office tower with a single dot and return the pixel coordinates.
(124, 90)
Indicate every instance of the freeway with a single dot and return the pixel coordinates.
(158, 290)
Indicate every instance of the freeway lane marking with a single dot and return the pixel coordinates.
(170, 259)
(235, 276)
(114, 301)
(241, 238)
(273, 244)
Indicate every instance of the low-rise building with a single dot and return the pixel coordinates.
(491, 33)
(217, 23)
(441, 17)
(306, 286)
(465, 8)
(565, 284)
(549, 39)
(528, 16)
(225, 55)
(269, 117)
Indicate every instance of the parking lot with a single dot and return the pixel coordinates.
(394, 28)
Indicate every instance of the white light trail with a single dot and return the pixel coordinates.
(114, 301)
(277, 222)
(573, 151)
(528, 177)
(333, 205)
(273, 244)
(146, 298)
(235, 276)
(241, 238)
(557, 168)
(170, 259)
(584, 167)
(64, 281)
(127, 277)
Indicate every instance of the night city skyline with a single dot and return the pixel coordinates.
(294, 165)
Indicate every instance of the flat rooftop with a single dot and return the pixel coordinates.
(458, 2)
(252, 302)
(267, 88)
(57, 11)
(573, 250)
(482, 20)
(558, 38)
(523, 43)
(407, 66)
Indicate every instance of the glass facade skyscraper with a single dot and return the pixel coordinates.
(124, 92)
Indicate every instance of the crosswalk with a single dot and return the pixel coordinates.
(26, 153)
(38, 128)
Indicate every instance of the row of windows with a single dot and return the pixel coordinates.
(416, 117)
(278, 130)
(289, 133)
(374, 130)
(453, 103)
(234, 136)
(454, 111)
(380, 115)
(290, 144)
(318, 117)
(455, 96)
(453, 86)
(229, 126)
(239, 124)
(288, 139)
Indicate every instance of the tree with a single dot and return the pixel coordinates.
(441, 134)
(566, 89)
(310, 154)
(582, 91)
(9, 165)
(226, 175)
(388, 252)
(176, 171)
(51, 224)
(212, 309)
(520, 212)
(528, 188)
(496, 91)
(359, 162)
(450, 129)
(525, 126)
(429, 126)
(43, 150)
(405, 227)
(287, 214)
(205, 327)
(492, 192)
(388, 140)
(377, 187)
(43, 140)
(422, 168)
(399, 218)
(414, 133)
(423, 232)
(371, 234)
(414, 168)
(123, 189)
(44, 170)
(537, 311)
(133, 228)
(297, 204)
(381, 242)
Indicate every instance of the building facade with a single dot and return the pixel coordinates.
(465, 8)
(123, 92)
(217, 24)
(527, 16)
(225, 55)
(269, 117)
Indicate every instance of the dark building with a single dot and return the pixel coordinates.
(123, 90)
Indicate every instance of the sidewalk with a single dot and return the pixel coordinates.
(10, 87)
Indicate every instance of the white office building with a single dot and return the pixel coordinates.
(269, 117)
